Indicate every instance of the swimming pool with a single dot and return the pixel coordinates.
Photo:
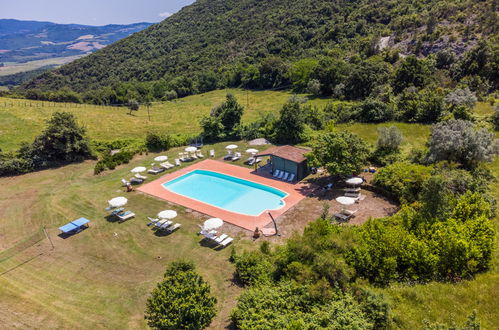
(227, 192)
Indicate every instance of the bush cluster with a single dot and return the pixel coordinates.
(62, 141)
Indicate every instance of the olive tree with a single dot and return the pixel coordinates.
(181, 301)
(461, 141)
(133, 105)
(389, 139)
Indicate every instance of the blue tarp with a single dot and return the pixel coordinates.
(76, 224)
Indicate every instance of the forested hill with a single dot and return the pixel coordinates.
(256, 44)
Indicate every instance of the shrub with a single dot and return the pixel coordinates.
(15, 166)
(158, 142)
(287, 305)
(408, 247)
(181, 301)
(403, 180)
(253, 268)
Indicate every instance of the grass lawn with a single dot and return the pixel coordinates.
(103, 275)
(21, 122)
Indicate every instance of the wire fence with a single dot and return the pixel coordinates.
(26, 243)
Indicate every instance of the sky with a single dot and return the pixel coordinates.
(91, 12)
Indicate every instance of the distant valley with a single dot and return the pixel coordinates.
(31, 45)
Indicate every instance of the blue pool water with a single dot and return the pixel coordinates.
(227, 192)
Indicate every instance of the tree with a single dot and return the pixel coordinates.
(230, 113)
(420, 106)
(291, 123)
(341, 153)
(224, 120)
(495, 118)
(63, 140)
(460, 141)
(364, 77)
(300, 71)
(329, 72)
(411, 72)
(314, 87)
(181, 301)
(374, 111)
(133, 105)
(460, 102)
(389, 139)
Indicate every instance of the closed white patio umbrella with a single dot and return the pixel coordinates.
(139, 169)
(118, 202)
(212, 224)
(161, 158)
(167, 214)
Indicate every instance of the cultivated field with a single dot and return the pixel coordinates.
(12, 68)
(102, 276)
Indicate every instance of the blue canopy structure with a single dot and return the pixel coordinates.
(74, 225)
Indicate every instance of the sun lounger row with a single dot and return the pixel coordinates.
(284, 176)
(222, 240)
(190, 156)
(164, 225)
(162, 167)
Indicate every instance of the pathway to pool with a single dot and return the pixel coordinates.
(296, 192)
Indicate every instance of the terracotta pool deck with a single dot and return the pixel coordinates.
(296, 192)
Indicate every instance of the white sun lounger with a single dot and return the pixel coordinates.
(125, 216)
(276, 173)
(156, 170)
(212, 153)
(236, 156)
(177, 162)
(220, 238)
(285, 177)
(166, 165)
(171, 229)
(125, 182)
(138, 176)
(291, 177)
(199, 154)
(226, 241)
(152, 221)
(281, 175)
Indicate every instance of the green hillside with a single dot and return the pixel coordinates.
(258, 44)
